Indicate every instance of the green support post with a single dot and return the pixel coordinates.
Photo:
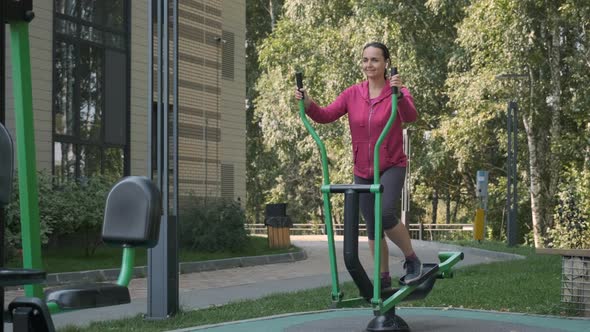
(376, 301)
(25, 141)
(127, 265)
(336, 293)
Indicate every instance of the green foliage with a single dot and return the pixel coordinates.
(324, 39)
(572, 214)
(448, 54)
(212, 225)
(65, 208)
(263, 15)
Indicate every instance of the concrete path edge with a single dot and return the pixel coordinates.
(185, 267)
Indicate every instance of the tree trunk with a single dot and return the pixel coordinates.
(434, 206)
(457, 203)
(271, 11)
(544, 167)
(448, 201)
(587, 154)
(555, 107)
(535, 179)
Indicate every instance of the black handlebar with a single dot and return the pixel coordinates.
(299, 78)
(394, 89)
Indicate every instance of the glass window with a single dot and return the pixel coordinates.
(90, 161)
(64, 161)
(114, 159)
(66, 7)
(91, 81)
(108, 13)
(64, 92)
(65, 27)
(89, 34)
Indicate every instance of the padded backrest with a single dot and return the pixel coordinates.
(6, 165)
(132, 213)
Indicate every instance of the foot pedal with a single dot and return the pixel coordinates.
(429, 270)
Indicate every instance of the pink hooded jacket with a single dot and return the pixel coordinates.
(367, 119)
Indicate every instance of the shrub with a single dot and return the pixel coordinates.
(213, 225)
(68, 208)
(572, 226)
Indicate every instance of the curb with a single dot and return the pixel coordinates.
(54, 279)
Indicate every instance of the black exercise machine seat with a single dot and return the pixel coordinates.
(132, 219)
(88, 295)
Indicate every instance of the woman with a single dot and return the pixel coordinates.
(368, 105)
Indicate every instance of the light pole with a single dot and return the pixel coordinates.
(511, 164)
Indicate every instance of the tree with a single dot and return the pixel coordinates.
(535, 38)
(262, 16)
(324, 39)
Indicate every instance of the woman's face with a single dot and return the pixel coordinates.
(373, 62)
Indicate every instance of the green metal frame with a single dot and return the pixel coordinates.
(376, 301)
(448, 259)
(25, 137)
(336, 292)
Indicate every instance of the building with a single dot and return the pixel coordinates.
(90, 69)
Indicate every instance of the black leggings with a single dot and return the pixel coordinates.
(392, 180)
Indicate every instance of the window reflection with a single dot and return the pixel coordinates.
(66, 80)
(66, 7)
(109, 13)
(65, 27)
(85, 31)
(64, 161)
(90, 161)
(91, 34)
(113, 160)
(90, 73)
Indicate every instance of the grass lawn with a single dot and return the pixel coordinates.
(70, 259)
(531, 285)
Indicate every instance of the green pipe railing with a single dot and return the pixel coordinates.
(336, 293)
(25, 138)
(376, 301)
(127, 264)
(447, 259)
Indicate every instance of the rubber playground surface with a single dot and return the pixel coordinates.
(419, 319)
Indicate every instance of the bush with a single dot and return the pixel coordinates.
(572, 213)
(213, 225)
(68, 208)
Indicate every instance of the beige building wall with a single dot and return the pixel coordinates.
(139, 88)
(41, 44)
(212, 123)
(233, 121)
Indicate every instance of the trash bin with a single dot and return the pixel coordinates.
(278, 225)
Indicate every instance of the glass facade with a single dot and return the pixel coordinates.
(90, 105)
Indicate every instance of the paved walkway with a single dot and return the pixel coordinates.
(203, 289)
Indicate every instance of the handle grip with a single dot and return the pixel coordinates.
(394, 89)
(299, 79)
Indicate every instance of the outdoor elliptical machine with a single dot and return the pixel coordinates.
(383, 302)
